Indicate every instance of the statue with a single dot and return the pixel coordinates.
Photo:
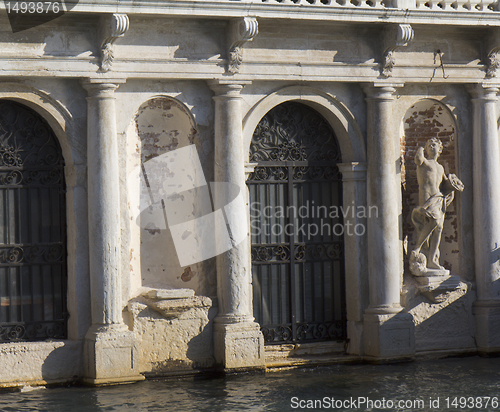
(436, 192)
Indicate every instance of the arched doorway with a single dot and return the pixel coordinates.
(297, 227)
(33, 268)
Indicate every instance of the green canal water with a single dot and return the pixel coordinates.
(454, 384)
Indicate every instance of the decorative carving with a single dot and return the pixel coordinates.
(492, 46)
(436, 192)
(493, 62)
(290, 133)
(403, 37)
(240, 31)
(112, 26)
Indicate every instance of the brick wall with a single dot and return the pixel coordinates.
(424, 120)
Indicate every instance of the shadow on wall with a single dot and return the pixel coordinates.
(162, 125)
(62, 361)
(444, 325)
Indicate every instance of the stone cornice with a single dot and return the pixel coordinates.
(302, 11)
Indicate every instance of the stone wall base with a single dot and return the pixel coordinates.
(175, 335)
(389, 336)
(40, 363)
(487, 317)
(238, 346)
(111, 356)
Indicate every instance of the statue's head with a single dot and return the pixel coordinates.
(433, 146)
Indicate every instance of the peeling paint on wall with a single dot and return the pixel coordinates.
(160, 125)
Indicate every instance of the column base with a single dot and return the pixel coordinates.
(487, 316)
(238, 346)
(111, 356)
(389, 336)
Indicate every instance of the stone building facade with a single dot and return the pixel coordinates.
(295, 102)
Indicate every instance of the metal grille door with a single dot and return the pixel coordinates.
(297, 227)
(32, 228)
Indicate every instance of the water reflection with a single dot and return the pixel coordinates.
(427, 381)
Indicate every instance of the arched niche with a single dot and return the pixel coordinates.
(160, 125)
(425, 119)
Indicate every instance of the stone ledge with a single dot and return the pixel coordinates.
(284, 351)
(171, 303)
(309, 361)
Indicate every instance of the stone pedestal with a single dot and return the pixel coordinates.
(239, 346)
(111, 356)
(389, 336)
(486, 206)
(238, 342)
(388, 333)
(487, 317)
(110, 353)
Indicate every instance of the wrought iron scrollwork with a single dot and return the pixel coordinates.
(280, 333)
(269, 253)
(33, 271)
(264, 173)
(296, 256)
(293, 132)
(319, 331)
(32, 331)
(35, 254)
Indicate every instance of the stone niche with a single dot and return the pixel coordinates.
(162, 124)
(441, 311)
(170, 310)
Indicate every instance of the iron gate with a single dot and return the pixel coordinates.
(297, 227)
(32, 228)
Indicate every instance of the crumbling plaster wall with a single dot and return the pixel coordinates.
(153, 118)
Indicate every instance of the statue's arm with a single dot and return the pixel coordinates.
(419, 157)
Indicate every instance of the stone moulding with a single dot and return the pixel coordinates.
(437, 288)
(393, 39)
(240, 31)
(112, 27)
(171, 303)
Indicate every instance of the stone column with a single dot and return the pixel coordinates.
(486, 207)
(356, 260)
(110, 350)
(238, 342)
(388, 332)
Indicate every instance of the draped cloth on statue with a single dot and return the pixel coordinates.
(434, 208)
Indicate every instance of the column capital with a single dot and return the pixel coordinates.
(381, 91)
(101, 87)
(227, 88)
(483, 91)
(354, 171)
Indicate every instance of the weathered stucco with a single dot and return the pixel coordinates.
(169, 86)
